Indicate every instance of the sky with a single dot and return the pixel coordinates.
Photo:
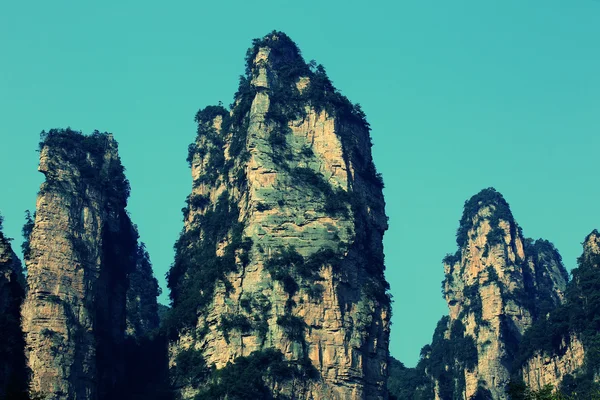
(460, 95)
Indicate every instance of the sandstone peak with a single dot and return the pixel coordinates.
(488, 204)
(82, 254)
(497, 284)
(281, 255)
(591, 244)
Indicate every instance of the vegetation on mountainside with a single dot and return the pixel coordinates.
(296, 272)
(13, 369)
(445, 361)
(26, 232)
(519, 391)
(500, 211)
(250, 377)
(253, 377)
(142, 308)
(213, 245)
(579, 315)
(198, 268)
(86, 153)
(546, 258)
(406, 383)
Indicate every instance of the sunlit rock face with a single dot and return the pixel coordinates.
(281, 251)
(82, 248)
(497, 284)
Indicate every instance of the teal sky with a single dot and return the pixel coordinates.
(461, 95)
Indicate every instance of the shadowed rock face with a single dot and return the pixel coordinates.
(82, 248)
(497, 284)
(12, 291)
(281, 251)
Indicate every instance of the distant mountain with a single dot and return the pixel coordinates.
(497, 285)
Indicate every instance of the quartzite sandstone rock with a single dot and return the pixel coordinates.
(549, 368)
(288, 214)
(496, 286)
(83, 245)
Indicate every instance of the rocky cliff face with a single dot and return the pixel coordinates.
(280, 263)
(545, 368)
(560, 349)
(12, 291)
(497, 284)
(82, 247)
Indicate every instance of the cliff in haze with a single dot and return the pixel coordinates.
(277, 285)
(80, 253)
(13, 376)
(496, 285)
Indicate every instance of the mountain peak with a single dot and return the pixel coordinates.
(488, 204)
(279, 50)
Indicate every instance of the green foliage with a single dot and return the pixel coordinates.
(197, 268)
(545, 258)
(519, 391)
(286, 101)
(13, 375)
(293, 326)
(475, 304)
(447, 359)
(579, 315)
(277, 139)
(263, 207)
(258, 307)
(495, 236)
(406, 383)
(281, 267)
(250, 378)
(87, 154)
(208, 114)
(487, 197)
(26, 232)
(492, 274)
(236, 322)
(295, 272)
(451, 259)
(337, 200)
(142, 308)
(190, 368)
(198, 201)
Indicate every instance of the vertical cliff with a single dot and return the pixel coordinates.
(278, 275)
(562, 349)
(81, 249)
(497, 284)
(12, 291)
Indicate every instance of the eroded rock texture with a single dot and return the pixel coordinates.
(82, 248)
(12, 291)
(561, 350)
(280, 263)
(549, 368)
(497, 284)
